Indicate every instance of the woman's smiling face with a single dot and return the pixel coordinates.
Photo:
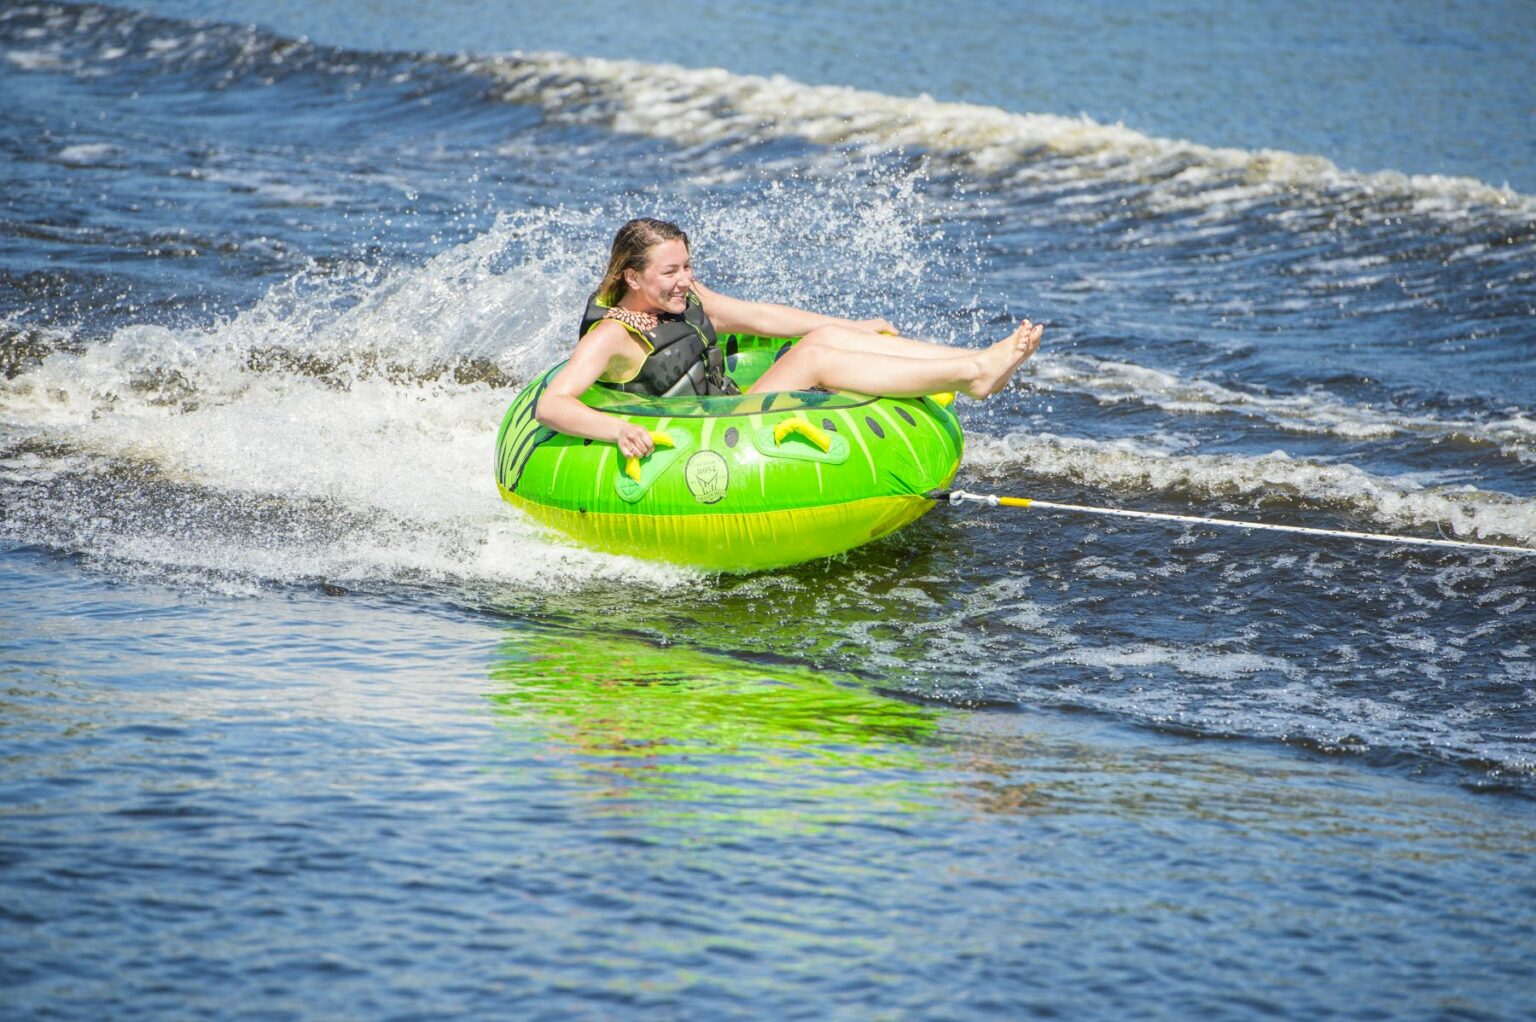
(665, 281)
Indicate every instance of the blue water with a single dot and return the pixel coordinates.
(300, 721)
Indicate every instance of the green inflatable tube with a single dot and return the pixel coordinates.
(736, 483)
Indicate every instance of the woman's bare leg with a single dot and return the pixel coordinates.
(843, 363)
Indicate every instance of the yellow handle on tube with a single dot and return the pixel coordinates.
(805, 429)
(632, 463)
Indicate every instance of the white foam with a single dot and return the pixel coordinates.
(276, 187)
(36, 60)
(712, 105)
(86, 153)
(1314, 412)
(384, 441)
(1187, 660)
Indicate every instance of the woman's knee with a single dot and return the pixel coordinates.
(805, 357)
(818, 337)
(801, 366)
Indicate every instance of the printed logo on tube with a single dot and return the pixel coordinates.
(707, 477)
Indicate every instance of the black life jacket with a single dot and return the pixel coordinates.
(684, 360)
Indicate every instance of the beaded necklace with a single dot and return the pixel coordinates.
(644, 322)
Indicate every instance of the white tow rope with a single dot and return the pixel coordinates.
(958, 497)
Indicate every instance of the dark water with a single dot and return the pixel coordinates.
(299, 721)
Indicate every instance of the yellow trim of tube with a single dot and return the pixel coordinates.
(733, 542)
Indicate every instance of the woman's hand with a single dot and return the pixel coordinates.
(633, 441)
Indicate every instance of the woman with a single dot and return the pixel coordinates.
(650, 328)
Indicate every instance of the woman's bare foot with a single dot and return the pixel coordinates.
(998, 363)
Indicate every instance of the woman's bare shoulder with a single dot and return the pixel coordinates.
(608, 351)
(609, 335)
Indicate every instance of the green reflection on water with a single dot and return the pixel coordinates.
(676, 733)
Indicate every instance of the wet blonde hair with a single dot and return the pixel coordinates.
(631, 251)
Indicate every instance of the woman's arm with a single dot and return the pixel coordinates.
(732, 315)
(560, 406)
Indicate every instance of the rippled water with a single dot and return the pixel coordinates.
(301, 721)
(361, 807)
